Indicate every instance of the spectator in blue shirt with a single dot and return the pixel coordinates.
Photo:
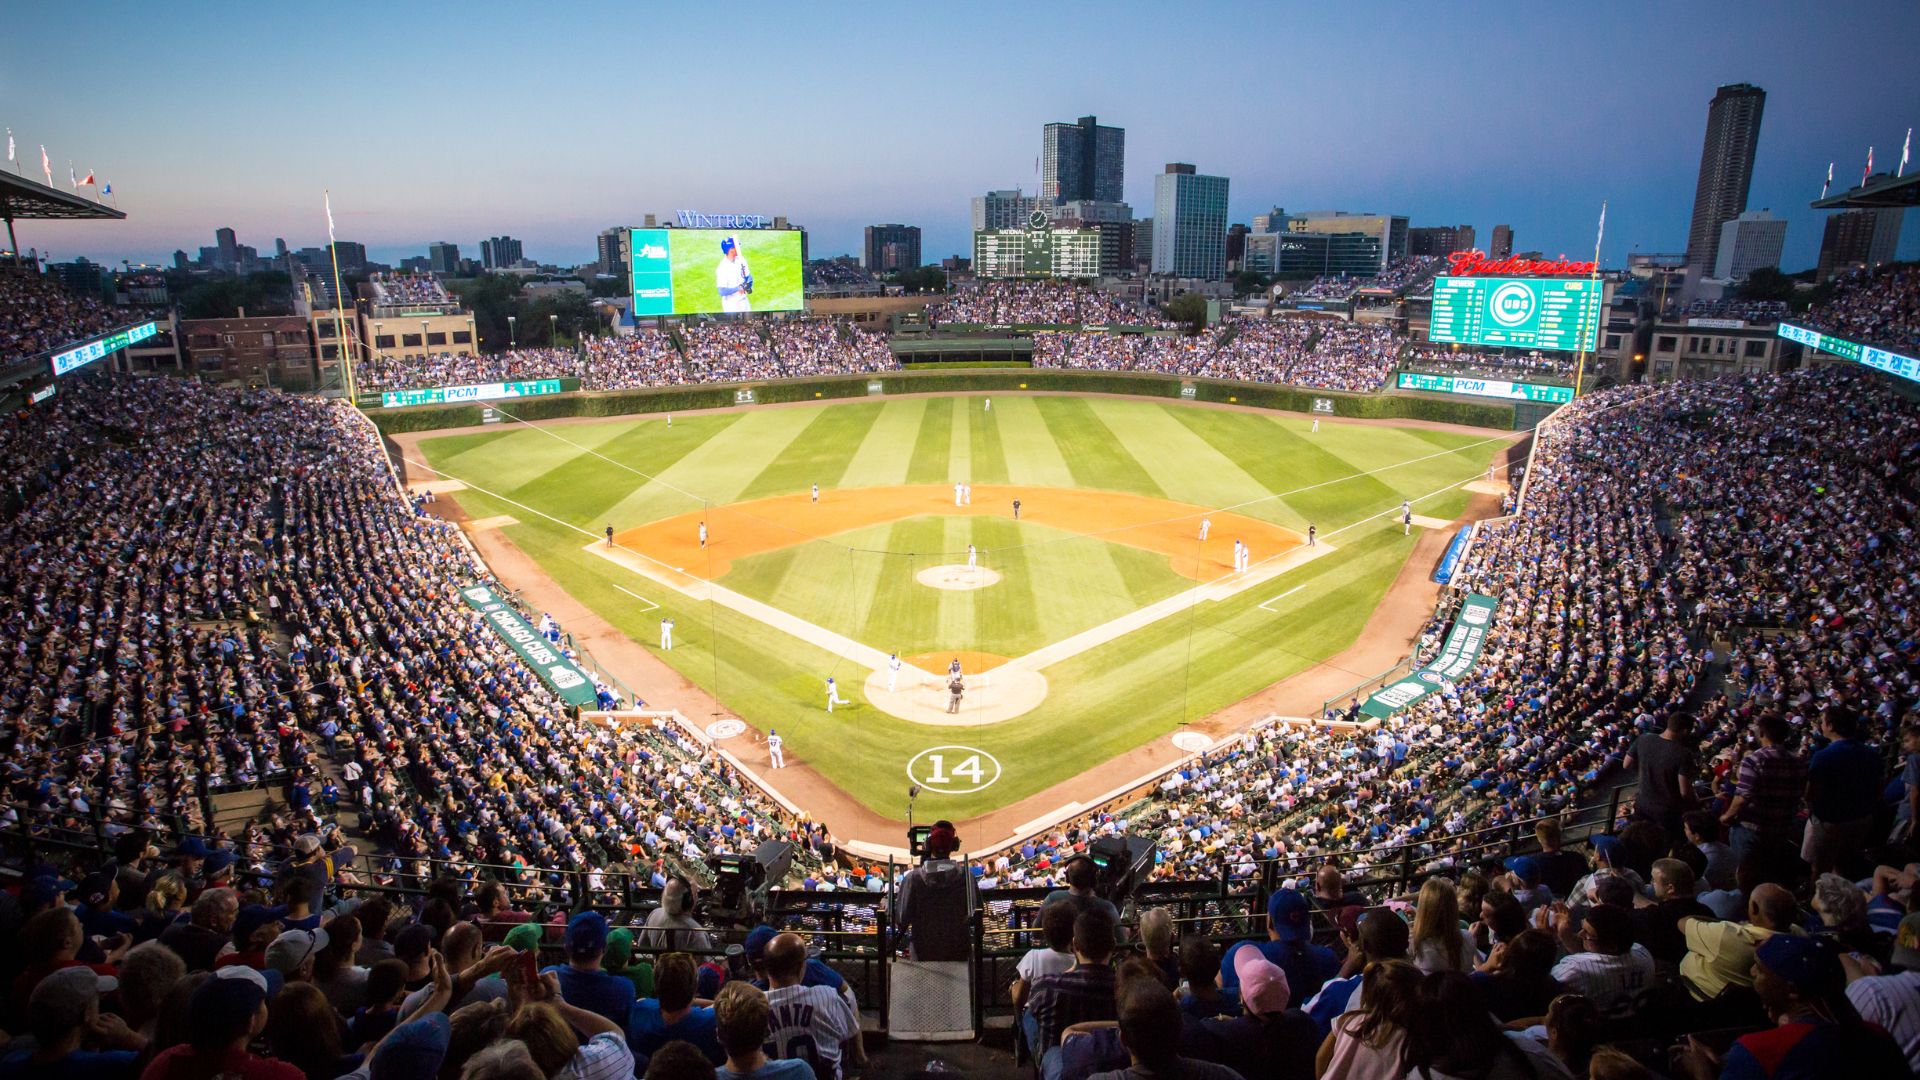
(582, 982)
(1290, 945)
(1382, 936)
(656, 1021)
(1843, 788)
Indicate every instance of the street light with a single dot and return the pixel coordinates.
(513, 340)
(424, 351)
(553, 329)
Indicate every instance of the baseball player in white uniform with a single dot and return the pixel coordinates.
(973, 557)
(774, 752)
(666, 634)
(1316, 425)
(833, 694)
(732, 278)
(958, 490)
(1246, 558)
(703, 534)
(1206, 526)
(816, 493)
(966, 492)
(893, 671)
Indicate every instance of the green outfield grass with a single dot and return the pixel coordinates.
(1053, 584)
(1101, 702)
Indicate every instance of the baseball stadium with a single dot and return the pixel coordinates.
(1321, 648)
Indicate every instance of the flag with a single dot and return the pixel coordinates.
(1869, 169)
(1829, 183)
(327, 196)
(88, 180)
(45, 165)
(9, 144)
(1906, 148)
(107, 188)
(71, 179)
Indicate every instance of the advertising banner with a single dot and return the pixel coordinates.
(83, 355)
(1457, 657)
(545, 658)
(1493, 388)
(450, 395)
(1893, 363)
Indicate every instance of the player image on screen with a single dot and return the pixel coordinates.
(733, 278)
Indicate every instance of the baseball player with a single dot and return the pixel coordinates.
(1316, 426)
(666, 635)
(973, 557)
(833, 694)
(774, 752)
(893, 671)
(1310, 531)
(958, 490)
(966, 492)
(816, 493)
(1206, 526)
(1406, 520)
(955, 687)
(1246, 558)
(732, 278)
(1406, 507)
(989, 407)
(703, 534)
(1016, 509)
(609, 536)
(953, 669)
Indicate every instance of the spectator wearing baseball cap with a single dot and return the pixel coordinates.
(1891, 1000)
(620, 961)
(1290, 945)
(224, 1015)
(1816, 1033)
(63, 1014)
(1271, 1037)
(96, 893)
(1380, 935)
(293, 952)
(582, 982)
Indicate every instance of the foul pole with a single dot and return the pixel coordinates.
(339, 297)
(1580, 364)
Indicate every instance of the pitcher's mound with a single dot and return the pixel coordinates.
(958, 577)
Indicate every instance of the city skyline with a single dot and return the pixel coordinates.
(1440, 129)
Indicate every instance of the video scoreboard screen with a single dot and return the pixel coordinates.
(1517, 313)
(1893, 363)
(76, 358)
(711, 271)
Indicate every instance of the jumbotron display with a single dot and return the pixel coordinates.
(715, 271)
(1520, 313)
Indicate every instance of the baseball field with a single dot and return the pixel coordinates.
(1092, 626)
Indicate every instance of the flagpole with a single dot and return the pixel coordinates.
(339, 298)
(1580, 362)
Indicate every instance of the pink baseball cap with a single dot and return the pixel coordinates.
(1263, 986)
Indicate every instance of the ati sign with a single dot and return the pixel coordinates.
(1188, 390)
(695, 219)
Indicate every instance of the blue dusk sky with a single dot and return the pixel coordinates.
(551, 121)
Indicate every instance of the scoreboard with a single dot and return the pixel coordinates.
(1518, 313)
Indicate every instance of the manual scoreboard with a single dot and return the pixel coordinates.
(1517, 313)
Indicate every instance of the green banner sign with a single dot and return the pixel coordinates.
(1457, 657)
(448, 395)
(1493, 388)
(545, 658)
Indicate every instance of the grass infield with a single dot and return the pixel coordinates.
(860, 582)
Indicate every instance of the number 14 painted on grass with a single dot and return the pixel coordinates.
(953, 770)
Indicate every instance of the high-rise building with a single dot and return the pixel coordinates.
(443, 257)
(1189, 223)
(226, 249)
(1749, 242)
(279, 247)
(1003, 210)
(1726, 171)
(1387, 234)
(1273, 221)
(1082, 160)
(608, 246)
(352, 256)
(1859, 238)
(1143, 242)
(500, 252)
(1236, 242)
(1502, 245)
(891, 248)
(1440, 239)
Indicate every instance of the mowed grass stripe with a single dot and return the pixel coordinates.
(1176, 458)
(1092, 453)
(887, 448)
(1282, 460)
(928, 461)
(819, 455)
(716, 470)
(960, 442)
(989, 457)
(1032, 457)
(1010, 612)
(581, 488)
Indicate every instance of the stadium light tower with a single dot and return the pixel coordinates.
(553, 329)
(513, 340)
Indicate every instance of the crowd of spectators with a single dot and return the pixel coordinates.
(1329, 287)
(1876, 306)
(1530, 364)
(646, 357)
(402, 289)
(1326, 354)
(390, 372)
(1749, 311)
(1038, 303)
(728, 351)
(808, 347)
(1413, 270)
(38, 313)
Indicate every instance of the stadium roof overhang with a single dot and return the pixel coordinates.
(1880, 192)
(24, 199)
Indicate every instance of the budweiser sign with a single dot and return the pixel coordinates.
(1475, 263)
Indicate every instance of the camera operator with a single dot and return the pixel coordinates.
(927, 914)
(671, 927)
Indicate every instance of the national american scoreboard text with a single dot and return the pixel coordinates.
(1519, 313)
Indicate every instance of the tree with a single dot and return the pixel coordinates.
(269, 292)
(1189, 308)
(1766, 283)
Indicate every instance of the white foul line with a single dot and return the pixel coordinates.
(1262, 606)
(651, 606)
